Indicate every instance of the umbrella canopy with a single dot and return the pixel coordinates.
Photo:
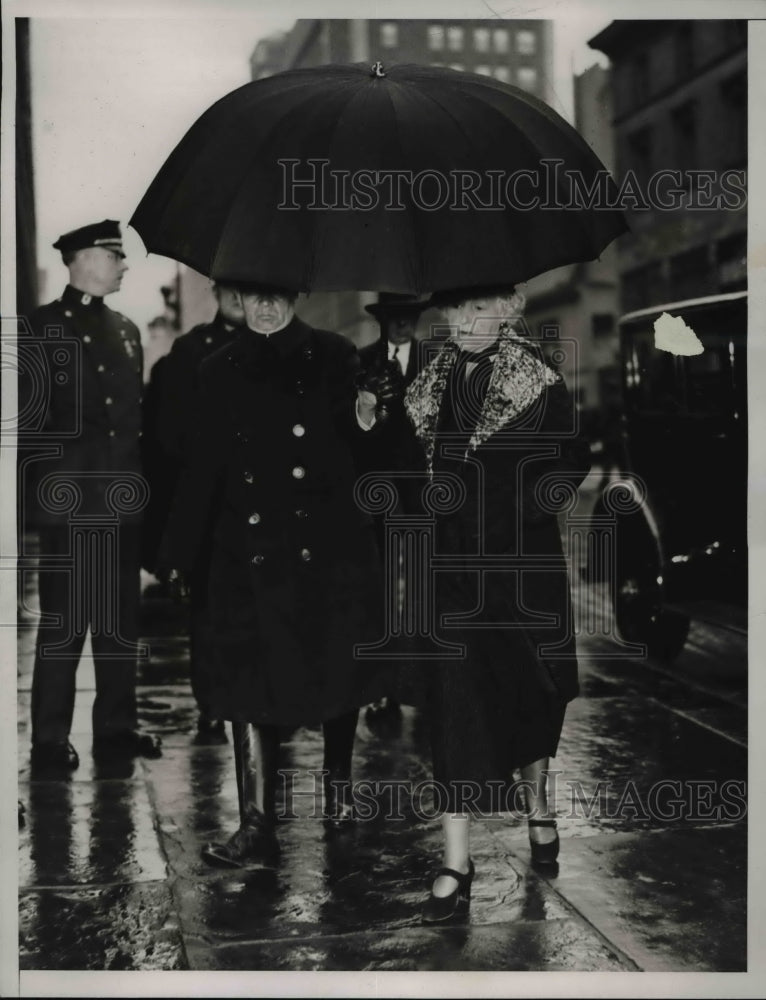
(402, 180)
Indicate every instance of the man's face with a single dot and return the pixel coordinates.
(265, 312)
(476, 322)
(99, 270)
(400, 329)
(230, 304)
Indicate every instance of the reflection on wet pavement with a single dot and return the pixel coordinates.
(650, 802)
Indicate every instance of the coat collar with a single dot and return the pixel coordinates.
(74, 297)
(248, 343)
(518, 378)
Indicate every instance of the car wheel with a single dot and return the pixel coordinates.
(641, 618)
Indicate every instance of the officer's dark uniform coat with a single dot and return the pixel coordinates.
(93, 420)
(294, 583)
(94, 410)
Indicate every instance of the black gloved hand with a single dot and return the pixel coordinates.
(177, 582)
(385, 382)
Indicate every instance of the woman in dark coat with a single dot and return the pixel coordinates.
(496, 426)
(293, 581)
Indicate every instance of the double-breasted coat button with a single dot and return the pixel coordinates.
(254, 518)
(112, 433)
(258, 560)
(306, 555)
(249, 477)
(301, 513)
(68, 312)
(86, 338)
(299, 472)
(299, 430)
(108, 400)
(208, 340)
(101, 368)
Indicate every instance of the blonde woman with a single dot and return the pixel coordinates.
(496, 422)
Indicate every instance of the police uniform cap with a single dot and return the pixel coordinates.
(104, 234)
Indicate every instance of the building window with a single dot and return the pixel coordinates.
(684, 50)
(640, 157)
(389, 35)
(484, 70)
(527, 77)
(503, 73)
(733, 121)
(455, 39)
(731, 257)
(643, 287)
(735, 33)
(640, 78)
(602, 324)
(481, 39)
(501, 40)
(526, 42)
(684, 119)
(690, 273)
(435, 37)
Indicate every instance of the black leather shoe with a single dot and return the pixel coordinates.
(544, 854)
(254, 841)
(210, 732)
(441, 908)
(127, 743)
(58, 756)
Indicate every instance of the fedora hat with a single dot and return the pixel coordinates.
(395, 304)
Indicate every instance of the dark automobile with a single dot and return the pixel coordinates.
(680, 545)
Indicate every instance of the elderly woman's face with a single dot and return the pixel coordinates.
(476, 322)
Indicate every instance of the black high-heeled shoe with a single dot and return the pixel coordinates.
(544, 854)
(440, 908)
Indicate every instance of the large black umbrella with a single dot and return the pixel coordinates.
(405, 179)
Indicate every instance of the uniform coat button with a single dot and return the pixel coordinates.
(299, 430)
(249, 477)
(68, 312)
(254, 518)
(86, 338)
(108, 400)
(101, 368)
(258, 560)
(301, 513)
(306, 555)
(299, 472)
(112, 433)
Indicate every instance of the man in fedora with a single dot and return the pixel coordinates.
(396, 351)
(85, 499)
(398, 319)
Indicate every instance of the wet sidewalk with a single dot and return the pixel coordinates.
(652, 875)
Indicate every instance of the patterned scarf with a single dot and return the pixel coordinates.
(518, 378)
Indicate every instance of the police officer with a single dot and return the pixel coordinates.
(168, 419)
(87, 493)
(293, 584)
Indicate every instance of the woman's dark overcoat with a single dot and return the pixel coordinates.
(294, 581)
(502, 425)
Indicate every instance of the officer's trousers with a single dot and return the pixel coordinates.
(89, 580)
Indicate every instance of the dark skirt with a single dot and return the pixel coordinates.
(497, 709)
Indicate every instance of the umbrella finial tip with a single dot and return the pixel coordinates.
(377, 69)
